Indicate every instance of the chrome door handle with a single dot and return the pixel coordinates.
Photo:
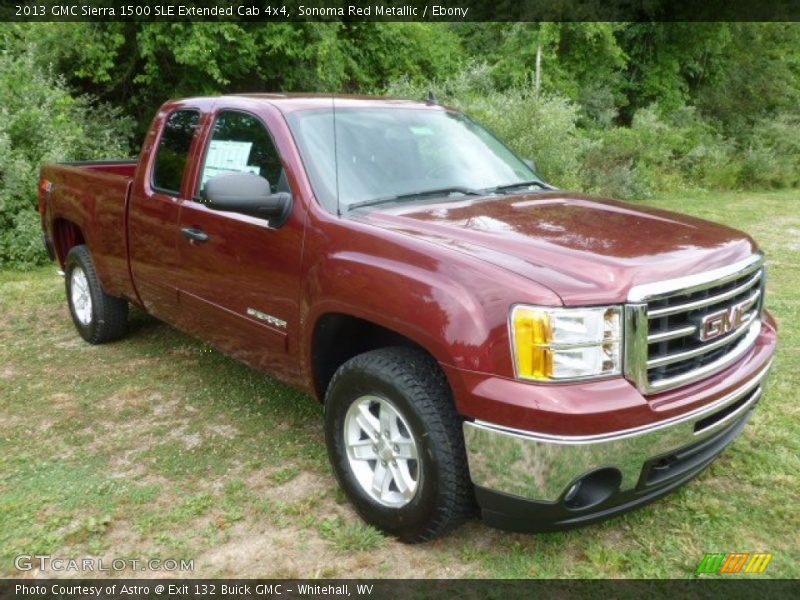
(194, 234)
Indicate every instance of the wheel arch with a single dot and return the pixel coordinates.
(66, 235)
(339, 336)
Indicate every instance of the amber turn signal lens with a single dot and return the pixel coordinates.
(532, 334)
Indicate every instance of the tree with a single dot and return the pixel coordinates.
(140, 65)
(41, 120)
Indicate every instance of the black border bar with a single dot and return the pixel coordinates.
(731, 587)
(400, 10)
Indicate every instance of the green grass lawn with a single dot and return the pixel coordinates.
(160, 447)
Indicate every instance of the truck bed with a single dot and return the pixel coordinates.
(124, 168)
(93, 195)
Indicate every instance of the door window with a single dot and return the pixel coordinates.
(173, 150)
(241, 143)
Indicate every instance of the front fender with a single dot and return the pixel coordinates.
(451, 304)
(438, 313)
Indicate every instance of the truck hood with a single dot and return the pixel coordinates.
(586, 250)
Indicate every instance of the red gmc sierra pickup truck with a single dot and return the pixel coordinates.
(476, 335)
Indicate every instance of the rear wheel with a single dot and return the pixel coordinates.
(396, 444)
(98, 317)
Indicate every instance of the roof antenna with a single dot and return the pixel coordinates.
(431, 99)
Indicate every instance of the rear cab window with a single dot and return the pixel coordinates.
(173, 151)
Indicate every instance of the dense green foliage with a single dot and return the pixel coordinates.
(41, 120)
(623, 109)
(139, 66)
(661, 150)
(631, 109)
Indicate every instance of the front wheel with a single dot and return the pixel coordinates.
(396, 444)
(98, 317)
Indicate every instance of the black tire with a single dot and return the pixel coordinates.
(416, 387)
(108, 319)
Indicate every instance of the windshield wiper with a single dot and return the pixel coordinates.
(420, 194)
(519, 184)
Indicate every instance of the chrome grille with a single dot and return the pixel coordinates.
(685, 329)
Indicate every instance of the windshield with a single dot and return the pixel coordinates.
(387, 152)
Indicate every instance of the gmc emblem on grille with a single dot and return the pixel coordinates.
(723, 321)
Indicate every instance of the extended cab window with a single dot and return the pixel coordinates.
(241, 143)
(173, 150)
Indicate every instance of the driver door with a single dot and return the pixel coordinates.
(239, 278)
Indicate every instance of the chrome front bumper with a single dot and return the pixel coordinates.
(543, 468)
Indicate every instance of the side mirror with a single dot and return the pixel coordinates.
(249, 194)
(530, 163)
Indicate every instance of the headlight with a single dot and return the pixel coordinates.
(559, 344)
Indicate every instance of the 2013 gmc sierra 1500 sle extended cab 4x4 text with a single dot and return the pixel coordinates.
(475, 334)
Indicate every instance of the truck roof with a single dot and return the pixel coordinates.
(293, 102)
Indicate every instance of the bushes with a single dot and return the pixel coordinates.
(660, 150)
(771, 157)
(544, 129)
(656, 153)
(41, 122)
